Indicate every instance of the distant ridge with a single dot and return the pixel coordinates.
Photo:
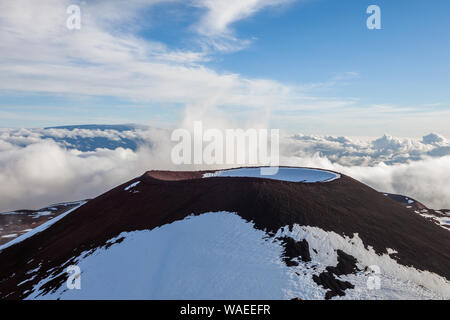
(117, 127)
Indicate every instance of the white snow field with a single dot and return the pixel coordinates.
(286, 174)
(396, 281)
(219, 255)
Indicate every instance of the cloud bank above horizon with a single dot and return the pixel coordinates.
(39, 167)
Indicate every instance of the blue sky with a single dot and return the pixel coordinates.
(306, 66)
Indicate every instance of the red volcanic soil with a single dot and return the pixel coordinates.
(344, 206)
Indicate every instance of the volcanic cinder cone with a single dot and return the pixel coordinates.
(304, 223)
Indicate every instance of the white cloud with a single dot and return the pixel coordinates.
(222, 13)
(35, 171)
(215, 25)
(424, 180)
(39, 54)
(434, 139)
(104, 58)
(349, 152)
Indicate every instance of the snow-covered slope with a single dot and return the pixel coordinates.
(212, 256)
(236, 262)
(306, 234)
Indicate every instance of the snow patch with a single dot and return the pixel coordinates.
(12, 235)
(212, 256)
(41, 214)
(305, 175)
(397, 281)
(219, 255)
(40, 228)
(131, 186)
(444, 222)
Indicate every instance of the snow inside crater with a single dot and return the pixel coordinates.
(305, 175)
(219, 255)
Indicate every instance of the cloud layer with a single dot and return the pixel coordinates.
(108, 59)
(39, 167)
(103, 59)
